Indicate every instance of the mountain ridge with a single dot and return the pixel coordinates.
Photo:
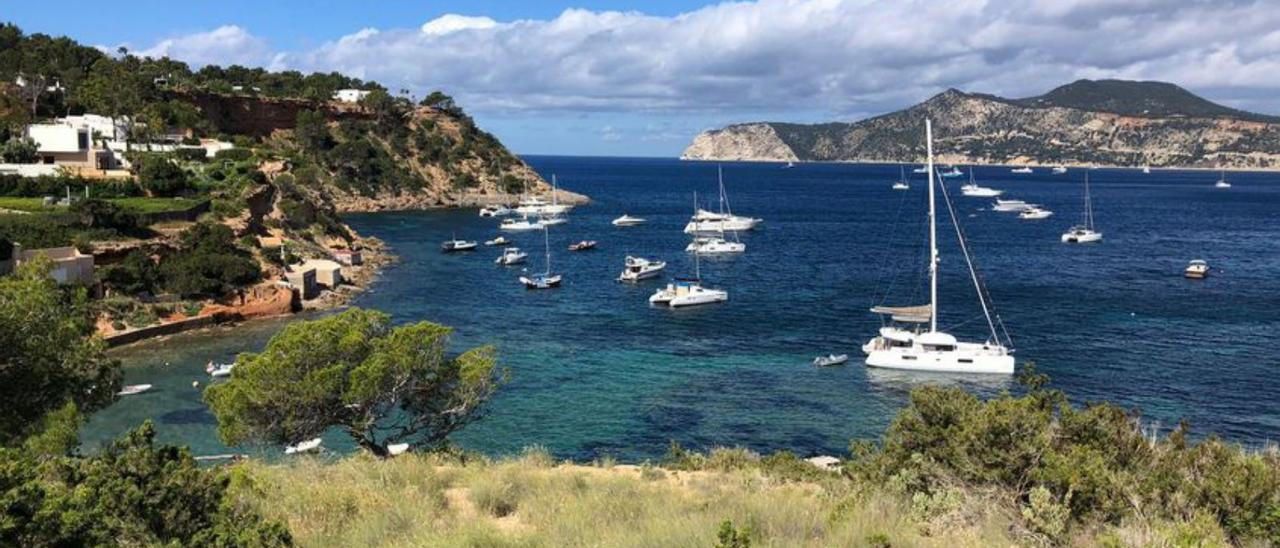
(1103, 122)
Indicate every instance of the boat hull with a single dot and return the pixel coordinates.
(967, 358)
(1081, 238)
(738, 224)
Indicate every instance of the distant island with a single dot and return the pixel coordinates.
(1087, 122)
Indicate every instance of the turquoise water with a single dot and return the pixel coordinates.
(596, 371)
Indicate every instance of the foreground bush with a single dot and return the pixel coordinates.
(1070, 468)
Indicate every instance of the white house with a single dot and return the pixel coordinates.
(350, 95)
(70, 141)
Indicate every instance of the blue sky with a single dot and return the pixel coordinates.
(641, 79)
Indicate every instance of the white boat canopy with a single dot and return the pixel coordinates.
(905, 314)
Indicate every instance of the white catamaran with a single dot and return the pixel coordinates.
(910, 349)
(1083, 233)
(545, 280)
(706, 222)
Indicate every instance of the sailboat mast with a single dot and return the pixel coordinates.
(546, 246)
(1088, 204)
(720, 179)
(933, 232)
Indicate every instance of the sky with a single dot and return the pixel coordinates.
(642, 78)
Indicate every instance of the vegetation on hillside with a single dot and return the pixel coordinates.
(133, 492)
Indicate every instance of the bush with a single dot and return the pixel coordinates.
(160, 176)
(192, 154)
(209, 264)
(18, 150)
(234, 154)
(136, 274)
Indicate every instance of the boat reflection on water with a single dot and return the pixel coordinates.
(898, 382)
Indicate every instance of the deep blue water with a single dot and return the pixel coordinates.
(595, 371)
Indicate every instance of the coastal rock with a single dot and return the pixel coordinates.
(750, 142)
(1112, 122)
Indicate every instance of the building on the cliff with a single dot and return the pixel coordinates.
(69, 145)
(349, 257)
(70, 266)
(350, 95)
(303, 279)
(328, 273)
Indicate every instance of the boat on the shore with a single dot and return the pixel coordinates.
(896, 347)
(635, 269)
(132, 389)
(307, 446)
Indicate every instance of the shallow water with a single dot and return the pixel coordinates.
(596, 371)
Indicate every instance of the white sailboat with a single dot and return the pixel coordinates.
(538, 206)
(974, 190)
(953, 172)
(1059, 170)
(902, 180)
(1083, 233)
(934, 350)
(712, 222)
(521, 225)
(688, 291)
(545, 280)
(1222, 181)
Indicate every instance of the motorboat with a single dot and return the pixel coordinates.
(1059, 170)
(307, 446)
(975, 191)
(627, 220)
(457, 245)
(1022, 170)
(1146, 170)
(520, 225)
(712, 222)
(494, 210)
(714, 245)
(926, 348)
(545, 280)
(1222, 181)
(1084, 232)
(539, 206)
(635, 269)
(1197, 270)
(921, 169)
(131, 389)
(830, 359)
(1034, 213)
(953, 172)
(500, 240)
(216, 370)
(901, 183)
(510, 256)
(1010, 206)
(582, 245)
(789, 165)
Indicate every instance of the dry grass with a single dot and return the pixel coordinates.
(531, 501)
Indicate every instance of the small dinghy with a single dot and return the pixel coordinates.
(583, 245)
(303, 447)
(397, 449)
(500, 240)
(132, 389)
(830, 359)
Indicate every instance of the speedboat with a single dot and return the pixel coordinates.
(303, 447)
(953, 172)
(1010, 206)
(1146, 170)
(974, 191)
(830, 359)
(520, 225)
(1059, 170)
(500, 240)
(901, 186)
(1022, 170)
(583, 245)
(687, 292)
(510, 256)
(1033, 213)
(219, 369)
(934, 350)
(129, 390)
(714, 246)
(457, 245)
(1197, 270)
(627, 220)
(494, 210)
(638, 268)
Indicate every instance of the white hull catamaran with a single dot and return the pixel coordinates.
(1083, 233)
(688, 291)
(932, 350)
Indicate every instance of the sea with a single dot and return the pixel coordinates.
(596, 372)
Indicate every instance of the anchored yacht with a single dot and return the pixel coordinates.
(716, 222)
(639, 268)
(1083, 233)
(917, 349)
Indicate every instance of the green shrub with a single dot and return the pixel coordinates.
(235, 154)
(160, 176)
(192, 154)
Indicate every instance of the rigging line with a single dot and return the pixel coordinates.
(879, 297)
(973, 272)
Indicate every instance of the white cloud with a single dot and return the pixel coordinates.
(834, 56)
(228, 44)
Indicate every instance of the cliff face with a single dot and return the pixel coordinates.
(1123, 129)
(740, 142)
(261, 116)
